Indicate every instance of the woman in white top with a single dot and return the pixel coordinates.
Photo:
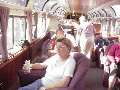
(60, 68)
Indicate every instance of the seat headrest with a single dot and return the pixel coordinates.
(79, 57)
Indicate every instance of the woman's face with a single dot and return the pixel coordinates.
(63, 50)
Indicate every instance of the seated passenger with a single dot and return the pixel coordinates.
(114, 58)
(60, 33)
(59, 68)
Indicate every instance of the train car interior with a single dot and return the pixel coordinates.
(31, 29)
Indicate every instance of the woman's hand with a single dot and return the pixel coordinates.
(117, 59)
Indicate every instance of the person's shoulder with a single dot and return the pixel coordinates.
(115, 45)
(71, 59)
(90, 25)
(54, 57)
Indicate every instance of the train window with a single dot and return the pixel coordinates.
(10, 34)
(34, 32)
(15, 34)
(43, 23)
(117, 28)
(34, 27)
(19, 30)
(117, 24)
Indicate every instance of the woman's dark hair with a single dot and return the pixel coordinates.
(25, 43)
(65, 41)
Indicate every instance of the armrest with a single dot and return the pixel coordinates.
(37, 73)
(82, 66)
(27, 78)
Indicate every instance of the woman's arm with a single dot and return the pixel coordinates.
(38, 66)
(43, 64)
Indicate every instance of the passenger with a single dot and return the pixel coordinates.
(106, 62)
(25, 44)
(60, 33)
(87, 31)
(114, 58)
(59, 68)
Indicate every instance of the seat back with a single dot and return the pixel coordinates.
(82, 66)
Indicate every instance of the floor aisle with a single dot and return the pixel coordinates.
(94, 79)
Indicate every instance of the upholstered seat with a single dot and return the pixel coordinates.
(76, 83)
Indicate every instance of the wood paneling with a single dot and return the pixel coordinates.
(8, 70)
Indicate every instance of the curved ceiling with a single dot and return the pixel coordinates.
(94, 8)
(109, 9)
(54, 7)
(116, 9)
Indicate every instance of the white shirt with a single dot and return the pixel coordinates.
(87, 29)
(57, 69)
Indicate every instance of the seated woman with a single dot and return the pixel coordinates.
(60, 33)
(59, 68)
(114, 59)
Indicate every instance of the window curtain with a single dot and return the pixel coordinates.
(4, 14)
(29, 25)
(36, 22)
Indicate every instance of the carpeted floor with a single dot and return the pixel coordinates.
(93, 79)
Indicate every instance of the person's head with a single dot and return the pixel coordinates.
(59, 33)
(60, 27)
(82, 19)
(64, 46)
(25, 44)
